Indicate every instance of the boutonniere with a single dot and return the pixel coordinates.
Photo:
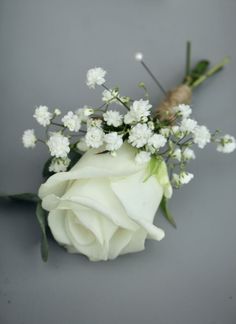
(112, 166)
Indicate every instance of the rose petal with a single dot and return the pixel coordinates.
(118, 242)
(93, 165)
(56, 222)
(136, 243)
(97, 195)
(141, 200)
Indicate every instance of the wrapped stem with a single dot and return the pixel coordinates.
(182, 94)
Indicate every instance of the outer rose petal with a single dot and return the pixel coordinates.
(140, 200)
(93, 165)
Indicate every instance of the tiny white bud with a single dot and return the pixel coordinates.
(88, 111)
(113, 153)
(138, 57)
(151, 125)
(57, 112)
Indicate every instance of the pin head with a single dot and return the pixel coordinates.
(138, 56)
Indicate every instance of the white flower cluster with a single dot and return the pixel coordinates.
(94, 137)
(113, 118)
(106, 129)
(59, 145)
(59, 164)
(182, 178)
(29, 138)
(95, 77)
(226, 144)
(139, 111)
(71, 121)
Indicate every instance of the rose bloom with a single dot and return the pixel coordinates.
(104, 206)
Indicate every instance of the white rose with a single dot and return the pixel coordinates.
(103, 207)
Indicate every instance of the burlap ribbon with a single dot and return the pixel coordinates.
(179, 95)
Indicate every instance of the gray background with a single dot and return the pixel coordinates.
(46, 48)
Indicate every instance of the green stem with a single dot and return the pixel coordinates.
(216, 68)
(57, 124)
(41, 141)
(188, 59)
(117, 97)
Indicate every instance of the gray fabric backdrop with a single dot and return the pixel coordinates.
(46, 48)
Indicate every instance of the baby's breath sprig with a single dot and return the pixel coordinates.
(106, 128)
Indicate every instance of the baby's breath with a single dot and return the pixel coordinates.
(107, 128)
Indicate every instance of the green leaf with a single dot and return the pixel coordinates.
(42, 220)
(200, 68)
(46, 173)
(166, 212)
(26, 197)
(208, 73)
(74, 157)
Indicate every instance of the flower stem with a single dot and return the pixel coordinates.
(57, 124)
(188, 59)
(216, 68)
(117, 97)
(41, 141)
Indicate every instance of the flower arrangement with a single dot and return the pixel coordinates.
(112, 166)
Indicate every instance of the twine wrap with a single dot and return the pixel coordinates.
(179, 95)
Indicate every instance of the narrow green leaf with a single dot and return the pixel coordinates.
(26, 197)
(166, 212)
(42, 220)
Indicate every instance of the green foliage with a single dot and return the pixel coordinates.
(198, 71)
(46, 173)
(42, 220)
(200, 68)
(40, 213)
(166, 212)
(74, 157)
(24, 197)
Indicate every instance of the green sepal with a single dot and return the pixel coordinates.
(42, 220)
(103, 152)
(166, 212)
(153, 167)
(143, 86)
(23, 197)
